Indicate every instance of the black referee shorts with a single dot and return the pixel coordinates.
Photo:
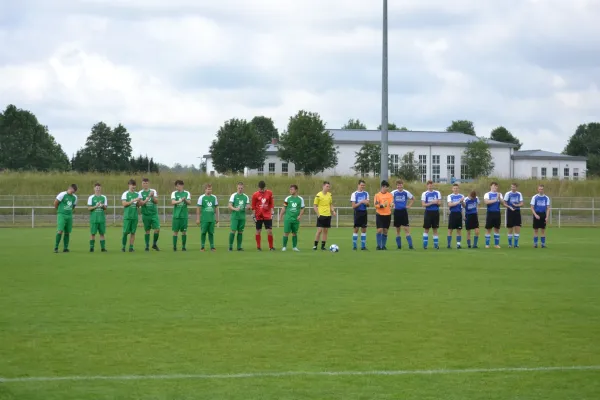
(324, 222)
(455, 221)
(383, 221)
(493, 220)
(513, 218)
(401, 218)
(431, 219)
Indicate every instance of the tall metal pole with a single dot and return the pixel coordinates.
(384, 97)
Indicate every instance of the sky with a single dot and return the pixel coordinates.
(174, 71)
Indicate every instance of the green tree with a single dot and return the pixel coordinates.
(393, 127)
(501, 134)
(308, 144)
(478, 158)
(25, 144)
(368, 159)
(105, 150)
(203, 166)
(265, 128)
(463, 126)
(238, 145)
(585, 142)
(409, 168)
(354, 124)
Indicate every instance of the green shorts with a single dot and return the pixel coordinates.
(98, 227)
(238, 224)
(180, 224)
(291, 226)
(151, 222)
(207, 227)
(130, 226)
(64, 223)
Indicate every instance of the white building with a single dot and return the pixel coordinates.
(438, 153)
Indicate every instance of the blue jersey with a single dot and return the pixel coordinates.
(540, 203)
(401, 198)
(428, 197)
(453, 198)
(494, 207)
(471, 205)
(357, 197)
(513, 198)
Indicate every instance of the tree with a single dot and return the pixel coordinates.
(368, 158)
(143, 164)
(585, 142)
(105, 150)
(409, 168)
(478, 158)
(354, 124)
(203, 166)
(238, 145)
(393, 127)
(308, 144)
(265, 128)
(25, 144)
(501, 134)
(463, 126)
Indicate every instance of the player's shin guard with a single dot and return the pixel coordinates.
(516, 240)
(436, 242)
(378, 239)
(270, 239)
(183, 241)
(487, 239)
(468, 242)
(510, 239)
(57, 241)
(475, 241)
(409, 240)
(92, 243)
(155, 239)
(202, 239)
(240, 238)
(384, 239)
(103, 244)
(295, 241)
(211, 240)
(124, 240)
(425, 240)
(458, 240)
(449, 240)
(147, 239)
(231, 239)
(354, 240)
(543, 239)
(174, 242)
(535, 241)
(363, 240)
(66, 241)
(399, 241)
(257, 238)
(285, 241)
(496, 239)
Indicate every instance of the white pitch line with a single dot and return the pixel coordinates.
(296, 373)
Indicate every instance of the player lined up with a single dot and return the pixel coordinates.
(387, 204)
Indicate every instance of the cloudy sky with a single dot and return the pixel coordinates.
(172, 71)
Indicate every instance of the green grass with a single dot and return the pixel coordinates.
(224, 313)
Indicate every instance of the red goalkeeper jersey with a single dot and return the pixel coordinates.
(263, 204)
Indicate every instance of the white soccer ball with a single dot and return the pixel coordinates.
(334, 248)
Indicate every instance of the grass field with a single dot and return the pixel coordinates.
(123, 326)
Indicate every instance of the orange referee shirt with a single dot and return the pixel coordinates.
(386, 199)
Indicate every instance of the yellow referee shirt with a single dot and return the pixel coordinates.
(323, 202)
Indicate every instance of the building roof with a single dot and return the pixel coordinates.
(544, 155)
(415, 138)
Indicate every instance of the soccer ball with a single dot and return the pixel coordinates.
(334, 248)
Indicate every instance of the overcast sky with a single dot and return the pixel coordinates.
(172, 71)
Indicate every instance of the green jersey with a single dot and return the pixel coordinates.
(130, 210)
(149, 209)
(240, 201)
(293, 206)
(181, 209)
(66, 203)
(209, 205)
(97, 215)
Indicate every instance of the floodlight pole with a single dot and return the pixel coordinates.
(384, 97)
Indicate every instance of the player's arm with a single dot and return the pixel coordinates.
(521, 201)
(75, 202)
(282, 212)
(332, 208)
(217, 209)
(124, 201)
(532, 204)
(424, 202)
(301, 209)
(198, 210)
(450, 203)
(487, 201)
(188, 198)
(90, 207)
(548, 209)
(316, 205)
(411, 200)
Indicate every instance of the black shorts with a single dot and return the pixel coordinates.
(513, 218)
(539, 223)
(401, 218)
(360, 219)
(431, 219)
(383, 221)
(471, 222)
(493, 220)
(455, 220)
(324, 222)
(268, 223)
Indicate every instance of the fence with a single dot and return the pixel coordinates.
(38, 211)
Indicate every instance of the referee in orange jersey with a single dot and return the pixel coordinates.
(384, 202)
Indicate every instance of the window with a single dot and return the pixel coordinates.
(543, 173)
(555, 172)
(271, 168)
(284, 169)
(575, 173)
(450, 167)
(464, 172)
(394, 164)
(261, 170)
(435, 168)
(566, 173)
(423, 167)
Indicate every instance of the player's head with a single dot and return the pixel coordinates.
(262, 185)
(473, 195)
(514, 186)
(208, 189)
(384, 186)
(541, 189)
(429, 185)
(240, 187)
(145, 183)
(494, 186)
(132, 184)
(326, 186)
(179, 184)
(455, 188)
(293, 189)
(400, 184)
(361, 185)
(72, 188)
(97, 188)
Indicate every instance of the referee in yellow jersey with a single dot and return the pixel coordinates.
(324, 209)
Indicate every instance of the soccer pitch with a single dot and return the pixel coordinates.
(448, 324)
